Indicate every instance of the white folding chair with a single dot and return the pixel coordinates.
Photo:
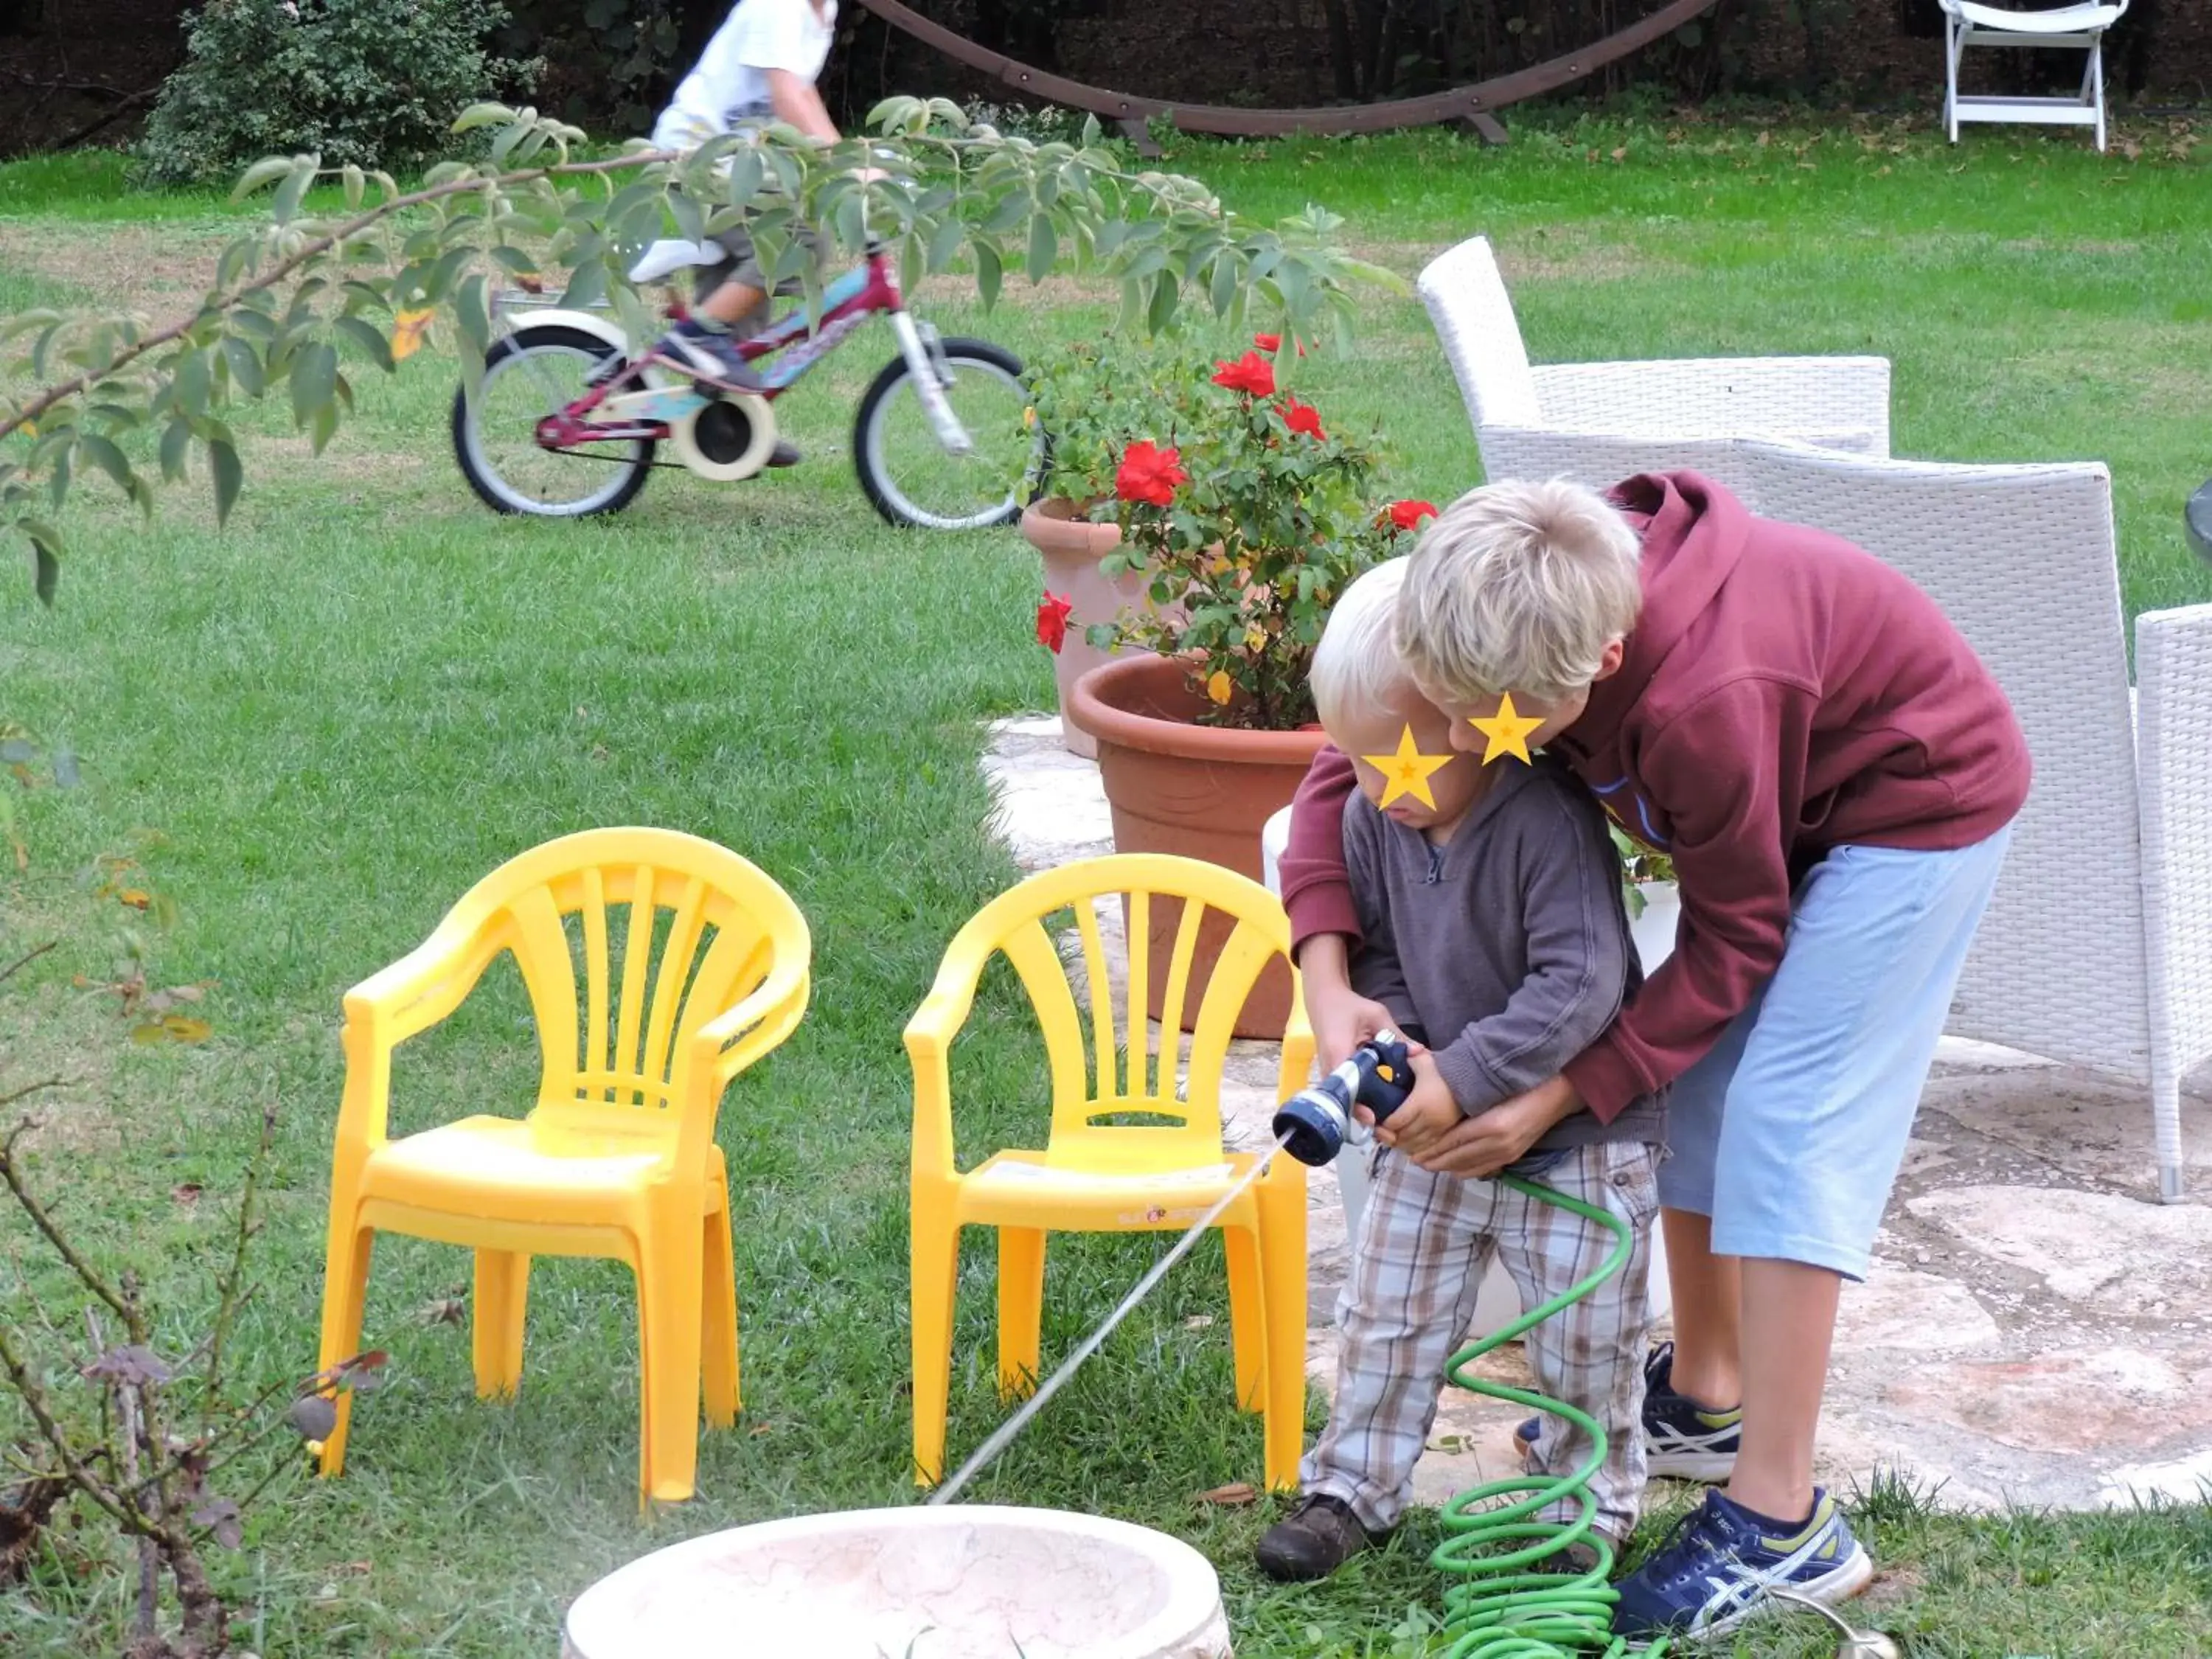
(2081, 26)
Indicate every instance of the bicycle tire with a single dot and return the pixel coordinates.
(883, 492)
(502, 497)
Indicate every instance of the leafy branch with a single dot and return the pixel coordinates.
(925, 184)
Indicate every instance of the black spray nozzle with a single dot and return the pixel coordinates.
(1378, 1075)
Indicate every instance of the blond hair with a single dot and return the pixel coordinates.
(1518, 588)
(1357, 666)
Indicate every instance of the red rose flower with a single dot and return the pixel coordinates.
(1052, 621)
(1251, 373)
(1149, 474)
(1408, 515)
(1270, 344)
(1303, 417)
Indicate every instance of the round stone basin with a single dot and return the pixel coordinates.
(950, 1583)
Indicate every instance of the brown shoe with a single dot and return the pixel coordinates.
(1313, 1541)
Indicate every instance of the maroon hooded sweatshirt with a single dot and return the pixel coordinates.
(1784, 692)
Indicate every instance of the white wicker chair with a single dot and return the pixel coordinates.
(2097, 949)
(1524, 414)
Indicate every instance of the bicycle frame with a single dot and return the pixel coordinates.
(797, 343)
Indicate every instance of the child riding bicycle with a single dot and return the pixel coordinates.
(761, 65)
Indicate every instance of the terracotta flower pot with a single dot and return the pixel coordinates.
(1072, 548)
(1200, 792)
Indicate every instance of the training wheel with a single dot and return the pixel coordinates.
(726, 438)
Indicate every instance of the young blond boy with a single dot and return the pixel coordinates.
(1835, 774)
(1493, 931)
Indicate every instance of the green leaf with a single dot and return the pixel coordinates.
(746, 170)
(1133, 306)
(108, 459)
(230, 477)
(587, 286)
(440, 281)
(944, 244)
(195, 383)
(851, 217)
(288, 194)
(176, 445)
(57, 480)
(370, 338)
(245, 366)
(262, 173)
(1225, 282)
(356, 186)
(323, 425)
(988, 273)
(481, 115)
(46, 552)
(474, 314)
(1044, 248)
(314, 378)
(1164, 296)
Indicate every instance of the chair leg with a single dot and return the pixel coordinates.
(717, 1320)
(1953, 45)
(935, 1256)
(2096, 78)
(1283, 1283)
(1248, 1317)
(345, 1296)
(1021, 1310)
(503, 1298)
(668, 1276)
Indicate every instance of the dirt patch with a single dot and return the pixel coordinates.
(118, 267)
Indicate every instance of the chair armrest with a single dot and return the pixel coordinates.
(1838, 397)
(928, 1036)
(2173, 759)
(397, 1003)
(740, 1036)
(1298, 1044)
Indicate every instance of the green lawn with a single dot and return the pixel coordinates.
(339, 713)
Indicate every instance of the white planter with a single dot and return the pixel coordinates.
(960, 1581)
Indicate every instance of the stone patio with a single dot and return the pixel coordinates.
(2038, 1329)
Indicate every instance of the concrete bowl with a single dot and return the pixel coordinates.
(950, 1583)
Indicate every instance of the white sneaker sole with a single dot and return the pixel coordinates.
(1840, 1584)
(1709, 1466)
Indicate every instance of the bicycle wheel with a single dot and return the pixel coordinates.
(530, 374)
(904, 468)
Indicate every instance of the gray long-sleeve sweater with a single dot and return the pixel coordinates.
(1507, 948)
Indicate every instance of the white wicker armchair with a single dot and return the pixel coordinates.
(2097, 949)
(1528, 418)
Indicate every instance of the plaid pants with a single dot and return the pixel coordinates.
(1425, 1242)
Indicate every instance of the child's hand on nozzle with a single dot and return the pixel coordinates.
(1342, 1020)
(1428, 1114)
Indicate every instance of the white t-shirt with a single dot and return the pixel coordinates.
(730, 83)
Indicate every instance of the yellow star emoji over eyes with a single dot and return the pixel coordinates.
(1508, 731)
(1409, 771)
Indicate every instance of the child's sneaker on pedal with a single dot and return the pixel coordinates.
(1714, 1570)
(1683, 1440)
(1314, 1539)
(709, 356)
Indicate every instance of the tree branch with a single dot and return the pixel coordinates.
(26, 960)
(52, 395)
(12, 1173)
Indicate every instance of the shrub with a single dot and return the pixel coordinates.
(373, 82)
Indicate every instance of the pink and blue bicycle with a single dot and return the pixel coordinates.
(570, 414)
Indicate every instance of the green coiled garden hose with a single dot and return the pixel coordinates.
(1497, 1607)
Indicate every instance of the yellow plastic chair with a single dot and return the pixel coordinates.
(618, 1159)
(1101, 1176)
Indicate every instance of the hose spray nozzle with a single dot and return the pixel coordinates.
(1318, 1120)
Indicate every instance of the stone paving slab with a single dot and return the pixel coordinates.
(2037, 1327)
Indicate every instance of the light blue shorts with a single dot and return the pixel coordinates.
(1788, 1134)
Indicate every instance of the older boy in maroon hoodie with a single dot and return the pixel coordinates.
(1835, 773)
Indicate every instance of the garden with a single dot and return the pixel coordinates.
(265, 725)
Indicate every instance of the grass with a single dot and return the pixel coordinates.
(366, 692)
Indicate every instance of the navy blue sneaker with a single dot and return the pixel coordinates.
(1714, 1570)
(1682, 1439)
